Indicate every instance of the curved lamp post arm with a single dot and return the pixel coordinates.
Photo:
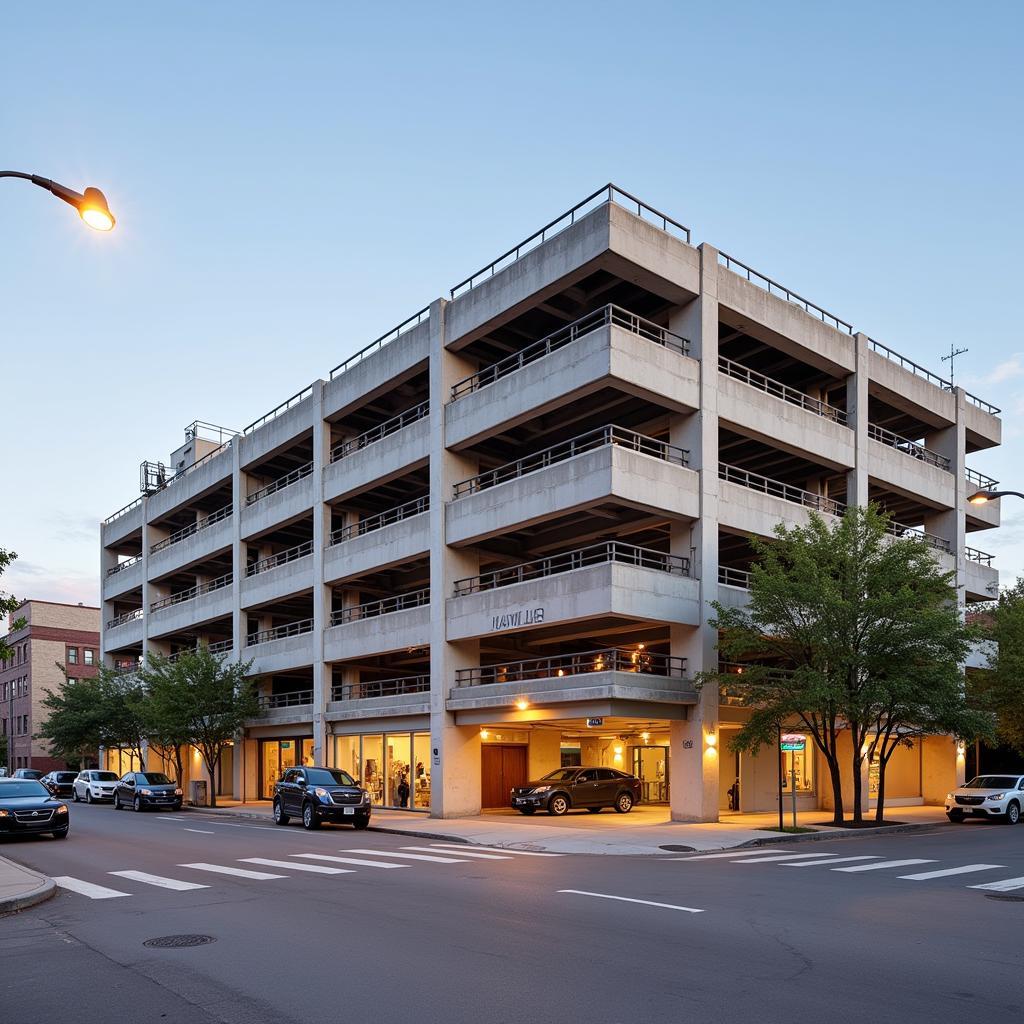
(91, 205)
(980, 497)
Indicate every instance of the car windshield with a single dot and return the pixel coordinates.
(65, 776)
(23, 787)
(329, 777)
(992, 782)
(104, 776)
(154, 779)
(561, 775)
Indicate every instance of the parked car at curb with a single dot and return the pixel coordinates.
(565, 789)
(988, 796)
(139, 790)
(28, 773)
(26, 807)
(59, 783)
(317, 795)
(93, 784)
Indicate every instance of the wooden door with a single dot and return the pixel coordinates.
(501, 768)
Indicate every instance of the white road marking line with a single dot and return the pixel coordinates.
(487, 849)
(722, 856)
(167, 817)
(94, 892)
(407, 856)
(348, 860)
(315, 868)
(965, 870)
(472, 854)
(221, 869)
(626, 899)
(262, 828)
(1006, 885)
(783, 856)
(836, 860)
(201, 831)
(886, 864)
(159, 880)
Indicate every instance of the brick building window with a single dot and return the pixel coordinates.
(89, 655)
(72, 655)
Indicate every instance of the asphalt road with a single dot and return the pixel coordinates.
(468, 939)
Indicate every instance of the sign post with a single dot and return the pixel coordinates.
(795, 743)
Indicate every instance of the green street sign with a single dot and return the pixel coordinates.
(793, 741)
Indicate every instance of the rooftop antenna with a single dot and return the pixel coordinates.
(953, 353)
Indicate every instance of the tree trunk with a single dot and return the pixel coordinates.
(837, 788)
(880, 805)
(179, 766)
(857, 757)
(211, 768)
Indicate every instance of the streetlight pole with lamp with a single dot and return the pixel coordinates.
(980, 497)
(91, 205)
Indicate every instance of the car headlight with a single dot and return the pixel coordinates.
(323, 794)
(366, 796)
(996, 796)
(949, 796)
(145, 792)
(62, 809)
(177, 792)
(540, 789)
(4, 814)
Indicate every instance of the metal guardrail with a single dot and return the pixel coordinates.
(381, 519)
(281, 558)
(122, 511)
(988, 407)
(779, 390)
(381, 688)
(280, 632)
(379, 343)
(126, 564)
(120, 620)
(385, 606)
(567, 561)
(908, 364)
(610, 193)
(220, 583)
(208, 432)
(979, 480)
(590, 441)
(774, 288)
(981, 557)
(603, 317)
(279, 484)
(607, 659)
(220, 647)
(777, 489)
(729, 577)
(899, 530)
(907, 447)
(197, 527)
(391, 426)
(288, 403)
(268, 701)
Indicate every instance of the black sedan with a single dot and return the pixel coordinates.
(318, 795)
(565, 789)
(60, 783)
(139, 790)
(26, 807)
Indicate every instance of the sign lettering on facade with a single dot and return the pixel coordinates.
(793, 741)
(595, 723)
(513, 620)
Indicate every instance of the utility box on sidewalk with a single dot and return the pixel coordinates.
(198, 793)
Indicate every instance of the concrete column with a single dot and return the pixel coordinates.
(942, 768)
(321, 592)
(455, 749)
(238, 560)
(857, 420)
(150, 592)
(545, 753)
(950, 524)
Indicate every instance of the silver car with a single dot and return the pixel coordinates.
(94, 785)
(988, 796)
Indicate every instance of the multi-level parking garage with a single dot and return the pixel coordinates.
(488, 544)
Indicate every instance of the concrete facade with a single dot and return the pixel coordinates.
(505, 522)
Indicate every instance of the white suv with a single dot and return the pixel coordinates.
(94, 785)
(988, 796)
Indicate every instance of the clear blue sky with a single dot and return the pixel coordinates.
(291, 180)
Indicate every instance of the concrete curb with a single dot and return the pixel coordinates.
(846, 833)
(43, 890)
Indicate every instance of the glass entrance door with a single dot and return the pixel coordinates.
(278, 755)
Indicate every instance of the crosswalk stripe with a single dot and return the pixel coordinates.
(223, 869)
(732, 853)
(94, 892)
(886, 864)
(487, 849)
(158, 880)
(835, 860)
(965, 870)
(348, 860)
(781, 857)
(408, 856)
(1006, 885)
(318, 869)
(472, 854)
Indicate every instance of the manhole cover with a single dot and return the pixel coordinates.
(1005, 897)
(179, 941)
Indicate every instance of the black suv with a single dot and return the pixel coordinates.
(319, 795)
(140, 790)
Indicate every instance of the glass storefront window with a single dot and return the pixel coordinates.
(278, 755)
(373, 767)
(802, 761)
(421, 770)
(346, 754)
(399, 752)
(393, 768)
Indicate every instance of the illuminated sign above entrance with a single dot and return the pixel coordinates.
(595, 723)
(793, 741)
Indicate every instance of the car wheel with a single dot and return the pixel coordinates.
(955, 816)
(594, 810)
(558, 805)
(117, 802)
(60, 833)
(88, 796)
(1013, 813)
(527, 810)
(361, 823)
(74, 795)
(280, 818)
(624, 803)
(309, 819)
(137, 804)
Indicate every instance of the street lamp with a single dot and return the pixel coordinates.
(91, 205)
(980, 497)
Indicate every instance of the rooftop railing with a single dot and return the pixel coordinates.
(264, 636)
(404, 419)
(774, 288)
(126, 564)
(385, 606)
(607, 315)
(779, 390)
(608, 659)
(608, 194)
(297, 698)
(379, 343)
(197, 527)
(992, 410)
(208, 432)
(280, 483)
(908, 447)
(981, 557)
(568, 561)
(288, 403)
(778, 489)
(729, 577)
(281, 558)
(899, 530)
(119, 620)
(590, 441)
(123, 511)
(908, 364)
(381, 519)
(979, 480)
(381, 688)
(193, 592)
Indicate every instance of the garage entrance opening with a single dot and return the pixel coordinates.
(502, 766)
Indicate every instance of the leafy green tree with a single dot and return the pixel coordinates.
(74, 718)
(202, 699)
(123, 699)
(8, 605)
(1002, 687)
(846, 630)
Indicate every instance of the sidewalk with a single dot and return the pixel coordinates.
(646, 830)
(21, 888)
